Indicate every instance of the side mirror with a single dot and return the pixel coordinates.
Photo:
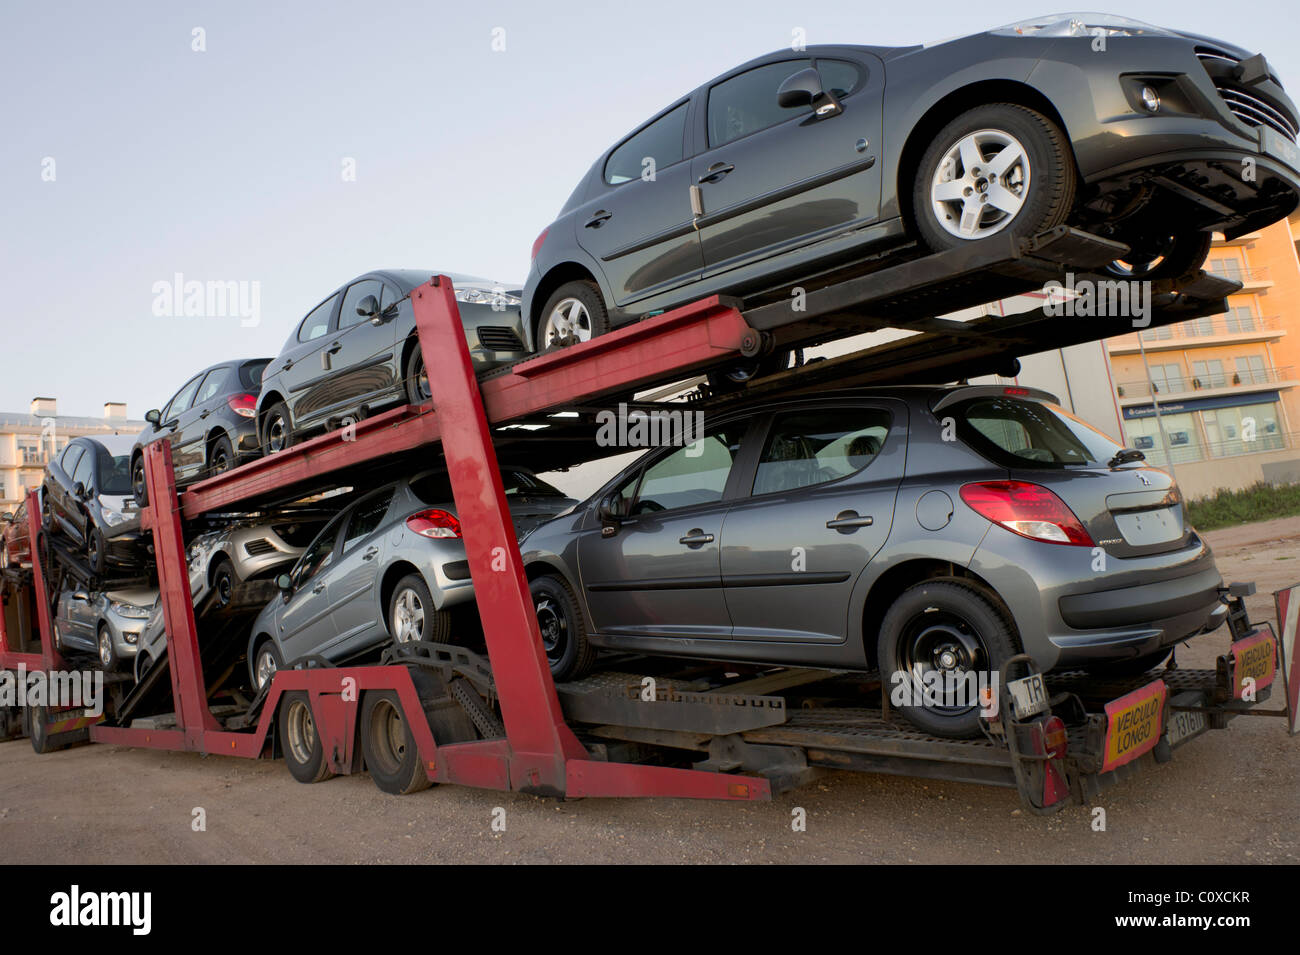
(611, 515)
(154, 417)
(7, 517)
(285, 583)
(805, 89)
(79, 490)
(368, 307)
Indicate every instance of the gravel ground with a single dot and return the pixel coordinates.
(1228, 797)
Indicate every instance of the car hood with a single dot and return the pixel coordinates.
(143, 597)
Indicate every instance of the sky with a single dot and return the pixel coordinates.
(306, 143)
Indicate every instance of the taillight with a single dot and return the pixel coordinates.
(434, 523)
(1054, 737)
(243, 405)
(1029, 510)
(537, 243)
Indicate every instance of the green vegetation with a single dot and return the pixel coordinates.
(1260, 502)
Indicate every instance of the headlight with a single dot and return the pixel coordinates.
(128, 610)
(1081, 24)
(497, 298)
(111, 517)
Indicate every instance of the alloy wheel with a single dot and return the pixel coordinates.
(408, 617)
(265, 667)
(105, 648)
(568, 322)
(981, 184)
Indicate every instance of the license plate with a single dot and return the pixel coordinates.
(1184, 725)
(1149, 527)
(1279, 146)
(1028, 696)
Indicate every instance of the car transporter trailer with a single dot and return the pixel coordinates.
(639, 726)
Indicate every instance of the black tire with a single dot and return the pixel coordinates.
(926, 621)
(224, 581)
(47, 515)
(388, 746)
(221, 456)
(277, 428)
(742, 373)
(591, 317)
(107, 656)
(1177, 257)
(415, 378)
(1132, 667)
(264, 650)
(569, 653)
(1046, 194)
(411, 597)
(36, 731)
(304, 753)
(138, 486)
(96, 549)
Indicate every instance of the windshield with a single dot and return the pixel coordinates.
(1080, 24)
(114, 477)
(1017, 433)
(524, 484)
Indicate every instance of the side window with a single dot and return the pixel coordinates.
(812, 447)
(695, 474)
(356, 292)
(213, 385)
(366, 518)
(747, 103)
(318, 556)
(388, 298)
(184, 398)
(68, 460)
(85, 470)
(660, 141)
(839, 76)
(317, 323)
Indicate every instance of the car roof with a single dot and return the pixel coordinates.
(115, 444)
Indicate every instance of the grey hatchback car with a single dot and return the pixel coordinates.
(928, 532)
(388, 566)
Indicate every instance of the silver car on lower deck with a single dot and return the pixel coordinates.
(107, 624)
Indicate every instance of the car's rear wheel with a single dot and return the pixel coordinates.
(412, 616)
(416, 377)
(107, 655)
(1169, 257)
(222, 456)
(574, 313)
(266, 661)
(995, 168)
(304, 753)
(739, 375)
(940, 641)
(277, 429)
(96, 549)
(569, 654)
(388, 746)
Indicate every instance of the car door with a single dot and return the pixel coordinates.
(190, 454)
(820, 508)
(360, 354)
(305, 623)
(300, 367)
(658, 573)
(358, 618)
(62, 505)
(79, 626)
(638, 224)
(772, 178)
(177, 417)
(84, 475)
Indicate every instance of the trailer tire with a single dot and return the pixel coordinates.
(942, 626)
(36, 730)
(569, 653)
(388, 746)
(304, 753)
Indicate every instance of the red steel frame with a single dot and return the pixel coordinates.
(540, 753)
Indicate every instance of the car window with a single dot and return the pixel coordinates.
(68, 460)
(804, 448)
(1019, 433)
(212, 386)
(356, 292)
(390, 296)
(367, 517)
(250, 374)
(183, 399)
(433, 488)
(661, 141)
(525, 484)
(317, 322)
(695, 474)
(20, 515)
(747, 103)
(114, 475)
(318, 555)
(85, 471)
(839, 76)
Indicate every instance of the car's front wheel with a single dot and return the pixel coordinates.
(574, 313)
(416, 377)
(107, 656)
(940, 642)
(138, 485)
(569, 654)
(995, 168)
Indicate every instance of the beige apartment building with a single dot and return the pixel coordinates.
(28, 440)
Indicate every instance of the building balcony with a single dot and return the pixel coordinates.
(1201, 333)
(1207, 386)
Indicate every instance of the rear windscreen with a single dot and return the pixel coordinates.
(1028, 434)
(250, 374)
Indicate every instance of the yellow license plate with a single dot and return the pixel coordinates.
(1134, 724)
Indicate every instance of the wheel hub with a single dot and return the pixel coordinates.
(981, 184)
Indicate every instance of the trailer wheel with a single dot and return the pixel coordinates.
(36, 730)
(999, 167)
(388, 746)
(304, 753)
(936, 634)
(564, 636)
(574, 313)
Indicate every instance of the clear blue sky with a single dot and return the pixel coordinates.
(226, 164)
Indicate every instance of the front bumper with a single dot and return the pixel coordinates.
(125, 633)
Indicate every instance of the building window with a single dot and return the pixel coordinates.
(1251, 370)
(1208, 374)
(1240, 319)
(1167, 379)
(1227, 267)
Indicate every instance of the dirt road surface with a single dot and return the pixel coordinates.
(1229, 797)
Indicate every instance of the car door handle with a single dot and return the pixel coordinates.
(715, 172)
(206, 412)
(334, 348)
(849, 519)
(318, 589)
(598, 220)
(370, 553)
(287, 364)
(695, 538)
